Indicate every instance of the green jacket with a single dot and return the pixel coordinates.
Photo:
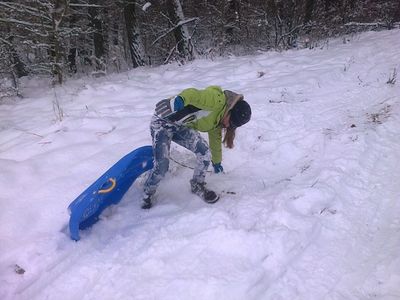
(212, 101)
(214, 104)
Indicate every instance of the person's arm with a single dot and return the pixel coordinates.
(215, 141)
(209, 99)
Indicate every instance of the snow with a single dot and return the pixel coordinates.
(146, 6)
(309, 200)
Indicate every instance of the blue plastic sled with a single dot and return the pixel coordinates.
(108, 189)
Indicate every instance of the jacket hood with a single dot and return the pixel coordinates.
(231, 99)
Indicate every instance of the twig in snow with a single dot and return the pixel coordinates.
(392, 77)
(58, 111)
(101, 133)
(28, 132)
(183, 165)
(19, 270)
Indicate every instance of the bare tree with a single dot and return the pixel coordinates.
(61, 37)
(18, 67)
(57, 12)
(135, 44)
(309, 10)
(95, 22)
(181, 32)
(11, 66)
(232, 24)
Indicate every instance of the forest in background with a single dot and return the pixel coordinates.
(69, 38)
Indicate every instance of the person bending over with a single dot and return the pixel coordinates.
(179, 119)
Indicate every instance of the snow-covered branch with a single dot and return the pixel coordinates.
(25, 10)
(373, 24)
(88, 5)
(181, 23)
(5, 42)
(146, 6)
(25, 23)
(363, 24)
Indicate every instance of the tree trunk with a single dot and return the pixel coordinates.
(18, 66)
(57, 14)
(98, 40)
(309, 9)
(232, 20)
(134, 39)
(72, 47)
(275, 20)
(181, 32)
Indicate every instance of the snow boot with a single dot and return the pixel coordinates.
(146, 204)
(200, 190)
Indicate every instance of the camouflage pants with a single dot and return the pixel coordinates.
(162, 134)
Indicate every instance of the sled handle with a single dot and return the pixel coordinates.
(113, 184)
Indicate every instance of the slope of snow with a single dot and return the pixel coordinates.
(309, 203)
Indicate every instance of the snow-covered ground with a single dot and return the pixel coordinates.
(310, 199)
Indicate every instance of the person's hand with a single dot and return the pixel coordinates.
(167, 107)
(218, 168)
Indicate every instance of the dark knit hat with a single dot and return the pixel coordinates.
(240, 114)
